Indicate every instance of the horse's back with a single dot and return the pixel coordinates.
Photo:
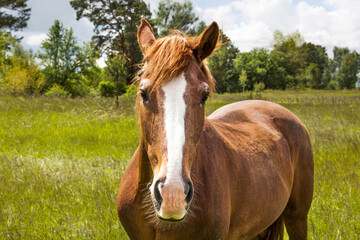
(265, 118)
(252, 110)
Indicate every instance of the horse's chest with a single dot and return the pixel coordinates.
(192, 232)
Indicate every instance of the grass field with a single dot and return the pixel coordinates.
(61, 162)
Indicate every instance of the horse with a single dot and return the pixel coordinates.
(244, 172)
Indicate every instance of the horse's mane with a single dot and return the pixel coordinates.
(168, 57)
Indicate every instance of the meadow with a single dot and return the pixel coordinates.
(62, 159)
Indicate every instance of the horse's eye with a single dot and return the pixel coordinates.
(144, 96)
(204, 98)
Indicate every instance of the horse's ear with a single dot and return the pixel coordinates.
(207, 42)
(145, 35)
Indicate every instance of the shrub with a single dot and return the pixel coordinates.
(93, 92)
(77, 88)
(22, 80)
(131, 90)
(106, 89)
(57, 91)
(333, 85)
(258, 88)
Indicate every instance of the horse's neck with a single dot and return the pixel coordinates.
(211, 145)
(209, 136)
(145, 171)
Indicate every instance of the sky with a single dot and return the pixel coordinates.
(248, 23)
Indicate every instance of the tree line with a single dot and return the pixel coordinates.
(66, 67)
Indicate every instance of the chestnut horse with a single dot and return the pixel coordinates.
(240, 173)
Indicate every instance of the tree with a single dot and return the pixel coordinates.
(258, 88)
(288, 42)
(310, 77)
(22, 75)
(65, 62)
(6, 42)
(198, 29)
(357, 55)
(347, 73)
(305, 63)
(115, 24)
(264, 66)
(344, 68)
(221, 65)
(117, 72)
(339, 54)
(295, 62)
(174, 15)
(315, 63)
(276, 71)
(243, 80)
(11, 22)
(255, 63)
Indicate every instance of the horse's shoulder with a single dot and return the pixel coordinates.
(129, 183)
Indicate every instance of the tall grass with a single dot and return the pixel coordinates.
(61, 162)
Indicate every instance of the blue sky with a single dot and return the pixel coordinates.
(249, 23)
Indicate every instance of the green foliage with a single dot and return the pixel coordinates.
(131, 90)
(8, 20)
(65, 62)
(316, 61)
(175, 15)
(260, 65)
(20, 73)
(106, 89)
(333, 85)
(305, 63)
(94, 75)
(296, 64)
(310, 77)
(339, 54)
(7, 41)
(21, 80)
(221, 65)
(115, 25)
(117, 72)
(56, 91)
(243, 79)
(258, 88)
(347, 73)
(287, 43)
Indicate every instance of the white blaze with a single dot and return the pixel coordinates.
(144, 83)
(175, 107)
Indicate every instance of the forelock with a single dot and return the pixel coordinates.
(167, 58)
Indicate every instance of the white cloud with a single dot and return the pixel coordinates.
(248, 36)
(34, 39)
(251, 23)
(101, 62)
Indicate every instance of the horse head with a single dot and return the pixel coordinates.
(173, 88)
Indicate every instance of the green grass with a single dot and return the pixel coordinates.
(61, 162)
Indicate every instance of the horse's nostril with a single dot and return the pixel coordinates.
(189, 192)
(157, 194)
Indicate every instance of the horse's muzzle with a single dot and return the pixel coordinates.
(172, 200)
